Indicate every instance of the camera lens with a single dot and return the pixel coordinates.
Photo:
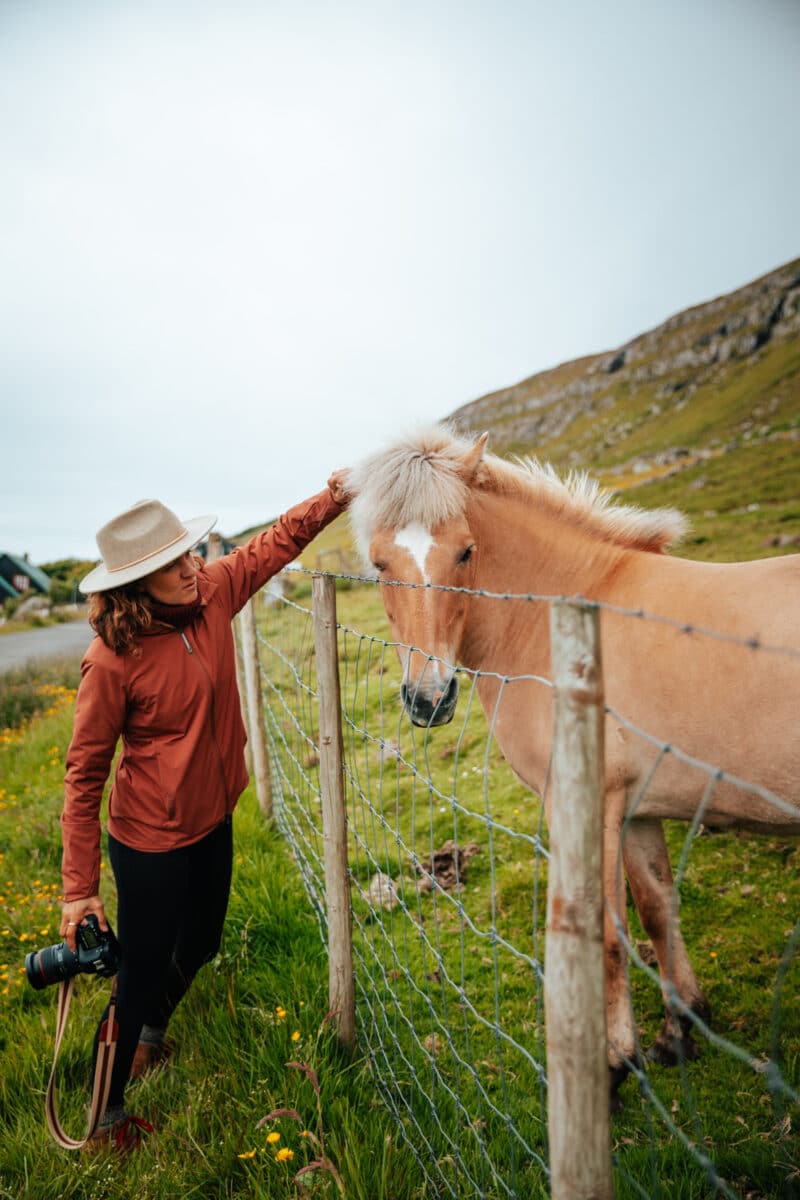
(50, 965)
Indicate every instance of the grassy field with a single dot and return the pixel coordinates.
(260, 1006)
(449, 988)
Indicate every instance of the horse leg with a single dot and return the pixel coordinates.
(619, 1017)
(649, 873)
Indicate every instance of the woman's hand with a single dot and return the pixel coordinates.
(74, 911)
(338, 487)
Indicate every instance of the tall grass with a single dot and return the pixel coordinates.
(261, 1005)
(33, 689)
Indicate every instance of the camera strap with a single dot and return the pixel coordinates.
(106, 1049)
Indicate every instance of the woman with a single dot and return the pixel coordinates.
(161, 675)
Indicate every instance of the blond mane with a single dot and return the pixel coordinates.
(421, 479)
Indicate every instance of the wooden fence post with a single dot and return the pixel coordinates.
(255, 726)
(575, 1010)
(238, 644)
(341, 984)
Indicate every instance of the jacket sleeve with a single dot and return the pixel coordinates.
(248, 568)
(97, 725)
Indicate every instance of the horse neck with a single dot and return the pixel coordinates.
(523, 549)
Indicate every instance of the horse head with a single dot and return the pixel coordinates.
(409, 519)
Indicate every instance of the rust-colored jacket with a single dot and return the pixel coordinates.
(176, 708)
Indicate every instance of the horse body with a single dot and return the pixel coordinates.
(502, 530)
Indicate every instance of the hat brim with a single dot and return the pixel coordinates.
(102, 580)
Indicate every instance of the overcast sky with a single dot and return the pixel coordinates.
(244, 243)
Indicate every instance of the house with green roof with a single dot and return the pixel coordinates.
(18, 576)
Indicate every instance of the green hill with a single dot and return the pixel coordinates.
(702, 412)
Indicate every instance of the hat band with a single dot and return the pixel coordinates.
(151, 554)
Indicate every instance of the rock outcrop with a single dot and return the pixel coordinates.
(661, 369)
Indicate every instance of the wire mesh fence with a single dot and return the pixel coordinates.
(448, 857)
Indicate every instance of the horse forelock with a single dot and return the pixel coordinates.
(420, 480)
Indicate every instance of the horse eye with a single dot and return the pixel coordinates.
(466, 556)
(380, 567)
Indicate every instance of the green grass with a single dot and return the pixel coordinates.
(233, 1041)
(738, 504)
(25, 691)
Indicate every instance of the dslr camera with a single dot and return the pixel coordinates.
(97, 952)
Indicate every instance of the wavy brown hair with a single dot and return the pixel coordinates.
(120, 615)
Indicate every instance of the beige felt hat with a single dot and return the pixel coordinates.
(141, 540)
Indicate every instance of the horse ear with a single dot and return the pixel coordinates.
(473, 458)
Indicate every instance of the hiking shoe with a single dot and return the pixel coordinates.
(121, 1136)
(148, 1056)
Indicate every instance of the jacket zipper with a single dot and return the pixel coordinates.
(189, 649)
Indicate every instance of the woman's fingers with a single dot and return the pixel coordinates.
(73, 912)
(338, 486)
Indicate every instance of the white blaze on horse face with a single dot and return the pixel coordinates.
(435, 675)
(418, 541)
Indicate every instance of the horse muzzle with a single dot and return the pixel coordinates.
(428, 710)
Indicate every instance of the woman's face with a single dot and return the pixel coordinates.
(176, 583)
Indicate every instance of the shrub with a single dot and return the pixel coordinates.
(32, 689)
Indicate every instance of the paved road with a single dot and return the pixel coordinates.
(54, 641)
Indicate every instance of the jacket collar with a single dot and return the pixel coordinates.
(205, 587)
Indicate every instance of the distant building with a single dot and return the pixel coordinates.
(18, 576)
(225, 546)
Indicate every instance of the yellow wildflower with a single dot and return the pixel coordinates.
(296, 1035)
(284, 1155)
(272, 1138)
(247, 1154)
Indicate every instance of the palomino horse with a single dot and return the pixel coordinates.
(437, 510)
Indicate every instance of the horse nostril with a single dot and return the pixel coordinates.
(404, 693)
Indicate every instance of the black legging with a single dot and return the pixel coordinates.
(170, 912)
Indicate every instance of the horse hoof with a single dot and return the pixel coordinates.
(616, 1078)
(670, 1051)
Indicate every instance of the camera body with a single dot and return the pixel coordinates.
(97, 952)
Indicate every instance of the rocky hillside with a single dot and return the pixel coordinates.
(702, 412)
